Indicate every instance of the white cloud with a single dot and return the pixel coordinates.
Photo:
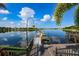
(11, 22)
(23, 21)
(7, 23)
(5, 18)
(22, 24)
(26, 13)
(4, 11)
(53, 19)
(46, 18)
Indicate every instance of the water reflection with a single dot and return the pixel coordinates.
(57, 36)
(9, 38)
(20, 38)
(23, 41)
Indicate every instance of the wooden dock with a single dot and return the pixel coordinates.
(49, 50)
(56, 50)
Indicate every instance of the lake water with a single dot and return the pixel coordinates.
(19, 38)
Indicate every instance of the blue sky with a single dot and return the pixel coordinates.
(17, 14)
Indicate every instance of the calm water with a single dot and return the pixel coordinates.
(19, 38)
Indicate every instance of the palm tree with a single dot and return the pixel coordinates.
(64, 7)
(2, 5)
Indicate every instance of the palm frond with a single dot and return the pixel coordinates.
(77, 16)
(2, 6)
(61, 9)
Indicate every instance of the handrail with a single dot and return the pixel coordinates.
(29, 47)
(11, 52)
(67, 51)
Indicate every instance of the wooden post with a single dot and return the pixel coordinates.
(56, 52)
(68, 52)
(75, 39)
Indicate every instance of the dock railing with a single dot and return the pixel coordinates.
(69, 51)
